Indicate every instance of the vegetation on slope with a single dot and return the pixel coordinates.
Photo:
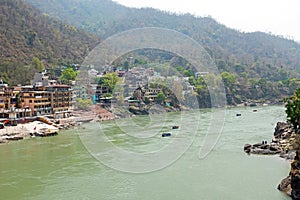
(293, 117)
(27, 37)
(264, 66)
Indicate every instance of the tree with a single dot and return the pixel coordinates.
(37, 64)
(5, 78)
(109, 80)
(68, 75)
(161, 97)
(228, 78)
(84, 104)
(293, 109)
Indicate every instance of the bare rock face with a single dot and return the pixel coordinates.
(282, 130)
(285, 186)
(286, 143)
(295, 177)
(281, 144)
(291, 184)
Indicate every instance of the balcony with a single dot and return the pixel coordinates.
(67, 108)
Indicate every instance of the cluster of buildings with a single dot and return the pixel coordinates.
(43, 97)
(141, 85)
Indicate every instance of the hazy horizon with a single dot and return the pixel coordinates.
(276, 17)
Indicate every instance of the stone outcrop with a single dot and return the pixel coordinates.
(291, 184)
(262, 148)
(295, 177)
(285, 186)
(282, 143)
(286, 143)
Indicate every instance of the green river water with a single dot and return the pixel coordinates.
(61, 167)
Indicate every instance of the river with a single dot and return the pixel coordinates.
(76, 164)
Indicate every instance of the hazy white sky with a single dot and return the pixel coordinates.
(280, 17)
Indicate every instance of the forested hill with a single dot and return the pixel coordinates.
(104, 17)
(25, 33)
(256, 66)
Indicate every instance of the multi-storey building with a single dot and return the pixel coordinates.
(35, 100)
(61, 100)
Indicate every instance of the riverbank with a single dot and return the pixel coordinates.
(285, 143)
(26, 130)
(42, 126)
(282, 143)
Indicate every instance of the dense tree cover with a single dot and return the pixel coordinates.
(68, 75)
(105, 18)
(293, 109)
(161, 97)
(31, 41)
(16, 73)
(253, 65)
(241, 84)
(109, 80)
(83, 104)
(37, 64)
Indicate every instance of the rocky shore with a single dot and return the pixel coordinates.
(282, 143)
(286, 144)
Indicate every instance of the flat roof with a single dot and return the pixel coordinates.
(58, 86)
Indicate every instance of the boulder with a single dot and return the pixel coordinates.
(295, 178)
(281, 127)
(247, 146)
(274, 148)
(265, 146)
(257, 145)
(285, 186)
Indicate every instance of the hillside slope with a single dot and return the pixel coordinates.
(257, 66)
(25, 33)
(105, 18)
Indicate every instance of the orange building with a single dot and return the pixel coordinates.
(61, 100)
(53, 101)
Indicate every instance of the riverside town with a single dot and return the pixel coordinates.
(119, 100)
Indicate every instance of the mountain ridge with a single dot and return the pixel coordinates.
(255, 66)
(105, 18)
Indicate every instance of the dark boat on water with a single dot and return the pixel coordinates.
(252, 104)
(175, 127)
(166, 134)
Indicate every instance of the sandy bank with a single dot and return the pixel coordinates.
(23, 130)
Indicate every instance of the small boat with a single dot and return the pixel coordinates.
(252, 104)
(238, 115)
(42, 134)
(175, 127)
(254, 110)
(45, 132)
(15, 138)
(166, 134)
